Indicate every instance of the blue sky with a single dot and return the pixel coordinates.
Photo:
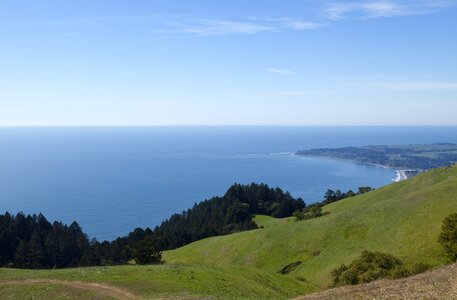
(232, 62)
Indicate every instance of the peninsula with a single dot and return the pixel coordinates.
(409, 160)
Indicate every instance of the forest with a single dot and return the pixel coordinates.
(31, 241)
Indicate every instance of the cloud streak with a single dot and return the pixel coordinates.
(382, 8)
(217, 27)
(327, 13)
(281, 71)
(206, 28)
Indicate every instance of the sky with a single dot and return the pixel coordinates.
(228, 62)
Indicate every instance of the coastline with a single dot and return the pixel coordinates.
(401, 174)
(349, 160)
(404, 174)
(346, 159)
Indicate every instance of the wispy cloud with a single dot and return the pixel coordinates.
(325, 13)
(205, 28)
(294, 24)
(281, 71)
(382, 8)
(217, 27)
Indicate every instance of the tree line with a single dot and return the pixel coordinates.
(33, 242)
(314, 210)
(224, 215)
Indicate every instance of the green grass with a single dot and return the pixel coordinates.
(51, 291)
(267, 221)
(403, 219)
(168, 281)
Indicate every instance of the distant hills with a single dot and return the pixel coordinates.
(416, 157)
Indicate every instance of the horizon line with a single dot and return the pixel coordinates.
(231, 125)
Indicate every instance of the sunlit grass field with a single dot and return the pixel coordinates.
(403, 219)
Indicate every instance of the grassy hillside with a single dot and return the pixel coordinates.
(148, 282)
(403, 219)
(267, 221)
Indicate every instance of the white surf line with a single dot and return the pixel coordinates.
(401, 175)
(398, 177)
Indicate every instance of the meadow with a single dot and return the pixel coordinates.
(402, 219)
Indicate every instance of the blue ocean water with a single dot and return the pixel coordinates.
(114, 179)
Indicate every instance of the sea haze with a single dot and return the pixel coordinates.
(114, 179)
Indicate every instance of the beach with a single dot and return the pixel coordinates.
(401, 175)
(405, 174)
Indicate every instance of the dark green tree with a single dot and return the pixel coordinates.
(364, 189)
(448, 236)
(146, 253)
(21, 258)
(37, 252)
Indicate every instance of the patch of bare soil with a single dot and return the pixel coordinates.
(436, 284)
(102, 289)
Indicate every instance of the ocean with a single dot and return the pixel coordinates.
(112, 180)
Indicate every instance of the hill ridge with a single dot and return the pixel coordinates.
(403, 219)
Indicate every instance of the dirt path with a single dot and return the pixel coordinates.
(436, 284)
(102, 289)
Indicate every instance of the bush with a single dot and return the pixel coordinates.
(448, 236)
(310, 212)
(368, 267)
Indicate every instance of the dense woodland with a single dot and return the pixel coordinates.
(34, 242)
(228, 214)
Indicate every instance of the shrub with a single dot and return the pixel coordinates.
(371, 266)
(310, 212)
(368, 267)
(448, 236)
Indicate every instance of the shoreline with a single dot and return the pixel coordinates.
(350, 160)
(401, 174)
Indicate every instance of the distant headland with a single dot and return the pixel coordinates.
(409, 160)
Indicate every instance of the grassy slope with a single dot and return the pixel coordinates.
(52, 291)
(161, 281)
(403, 219)
(267, 221)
